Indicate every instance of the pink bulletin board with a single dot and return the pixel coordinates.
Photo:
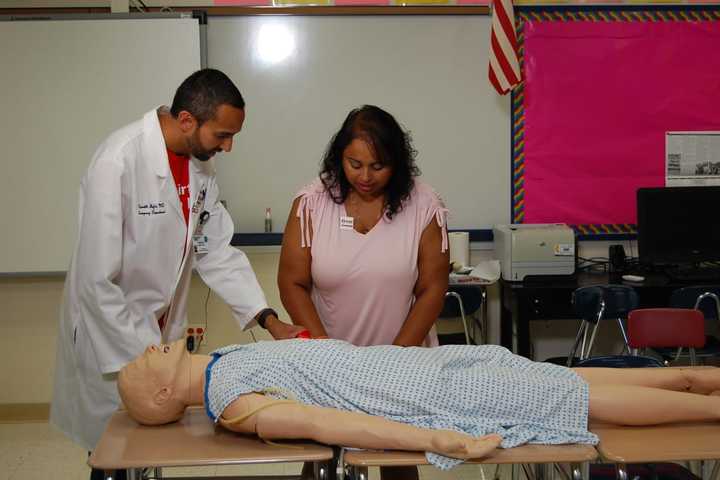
(601, 88)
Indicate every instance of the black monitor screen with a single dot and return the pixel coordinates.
(678, 225)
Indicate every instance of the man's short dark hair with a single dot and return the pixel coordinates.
(203, 92)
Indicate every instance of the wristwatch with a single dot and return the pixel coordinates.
(262, 316)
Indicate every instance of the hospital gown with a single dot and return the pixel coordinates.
(473, 389)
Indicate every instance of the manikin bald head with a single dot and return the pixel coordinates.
(151, 385)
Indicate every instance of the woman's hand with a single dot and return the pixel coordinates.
(281, 330)
(463, 446)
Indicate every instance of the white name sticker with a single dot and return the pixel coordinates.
(564, 249)
(346, 223)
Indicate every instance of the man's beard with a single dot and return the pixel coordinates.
(197, 150)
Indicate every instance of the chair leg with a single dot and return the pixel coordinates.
(624, 335)
(457, 296)
(588, 353)
(578, 338)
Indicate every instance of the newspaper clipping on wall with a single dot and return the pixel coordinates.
(692, 158)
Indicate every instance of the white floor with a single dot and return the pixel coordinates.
(37, 451)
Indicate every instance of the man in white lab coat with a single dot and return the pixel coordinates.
(149, 214)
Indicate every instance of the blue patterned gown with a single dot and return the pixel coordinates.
(472, 389)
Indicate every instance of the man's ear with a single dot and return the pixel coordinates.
(162, 395)
(187, 121)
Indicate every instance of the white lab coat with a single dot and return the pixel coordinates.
(128, 269)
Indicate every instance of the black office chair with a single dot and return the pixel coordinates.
(461, 301)
(707, 300)
(592, 304)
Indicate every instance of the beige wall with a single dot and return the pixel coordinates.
(30, 309)
(29, 318)
(30, 314)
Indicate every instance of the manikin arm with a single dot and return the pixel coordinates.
(291, 420)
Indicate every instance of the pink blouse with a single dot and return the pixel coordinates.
(363, 283)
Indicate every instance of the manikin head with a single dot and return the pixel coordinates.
(154, 386)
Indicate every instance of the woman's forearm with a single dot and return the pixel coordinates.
(296, 300)
(422, 317)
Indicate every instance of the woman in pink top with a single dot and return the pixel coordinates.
(364, 255)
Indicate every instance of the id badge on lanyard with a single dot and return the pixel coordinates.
(199, 240)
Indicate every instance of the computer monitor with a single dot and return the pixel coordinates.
(678, 225)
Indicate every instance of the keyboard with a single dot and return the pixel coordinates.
(695, 275)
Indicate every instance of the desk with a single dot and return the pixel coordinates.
(358, 461)
(193, 441)
(660, 443)
(549, 298)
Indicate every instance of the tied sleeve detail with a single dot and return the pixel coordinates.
(441, 214)
(439, 211)
(309, 196)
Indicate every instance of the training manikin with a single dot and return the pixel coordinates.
(453, 402)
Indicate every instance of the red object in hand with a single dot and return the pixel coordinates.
(303, 334)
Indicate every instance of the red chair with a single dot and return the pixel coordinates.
(666, 328)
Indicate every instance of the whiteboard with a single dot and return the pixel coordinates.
(65, 85)
(430, 72)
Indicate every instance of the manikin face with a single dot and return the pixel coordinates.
(367, 176)
(216, 134)
(149, 386)
(160, 363)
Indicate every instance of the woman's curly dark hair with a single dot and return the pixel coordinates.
(392, 146)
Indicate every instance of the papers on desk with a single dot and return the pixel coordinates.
(484, 273)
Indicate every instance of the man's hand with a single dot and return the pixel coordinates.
(459, 445)
(281, 330)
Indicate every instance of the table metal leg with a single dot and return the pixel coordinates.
(696, 467)
(621, 471)
(357, 473)
(321, 470)
(580, 471)
(544, 471)
(715, 474)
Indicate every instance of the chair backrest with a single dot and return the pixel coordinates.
(620, 300)
(471, 298)
(604, 301)
(666, 327)
(687, 297)
(588, 302)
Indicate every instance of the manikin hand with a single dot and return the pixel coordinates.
(463, 446)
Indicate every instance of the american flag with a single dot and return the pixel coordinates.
(504, 71)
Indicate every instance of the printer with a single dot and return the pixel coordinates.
(535, 249)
